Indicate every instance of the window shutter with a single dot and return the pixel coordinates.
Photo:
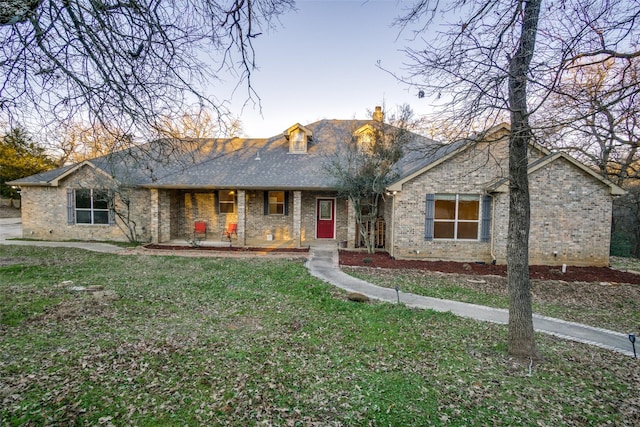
(71, 206)
(429, 215)
(112, 208)
(266, 203)
(485, 233)
(216, 201)
(286, 203)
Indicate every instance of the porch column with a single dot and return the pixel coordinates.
(297, 218)
(351, 225)
(155, 216)
(242, 217)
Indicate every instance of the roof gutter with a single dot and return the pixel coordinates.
(235, 187)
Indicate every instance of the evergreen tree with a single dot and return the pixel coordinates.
(20, 156)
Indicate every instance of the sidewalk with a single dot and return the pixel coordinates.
(323, 264)
(11, 228)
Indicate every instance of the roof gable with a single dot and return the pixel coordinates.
(444, 152)
(299, 138)
(502, 185)
(287, 133)
(52, 178)
(366, 128)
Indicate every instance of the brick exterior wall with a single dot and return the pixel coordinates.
(44, 211)
(570, 211)
(469, 172)
(308, 229)
(182, 208)
(570, 218)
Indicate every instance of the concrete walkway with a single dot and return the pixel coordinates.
(323, 264)
(11, 228)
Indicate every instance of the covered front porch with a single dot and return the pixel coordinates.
(250, 243)
(262, 218)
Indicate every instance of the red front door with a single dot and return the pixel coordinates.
(325, 219)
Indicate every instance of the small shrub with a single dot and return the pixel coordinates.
(620, 244)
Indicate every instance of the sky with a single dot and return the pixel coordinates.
(321, 63)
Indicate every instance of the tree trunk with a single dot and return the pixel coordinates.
(521, 338)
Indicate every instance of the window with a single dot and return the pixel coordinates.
(365, 138)
(92, 206)
(298, 141)
(326, 210)
(276, 203)
(298, 137)
(227, 201)
(456, 216)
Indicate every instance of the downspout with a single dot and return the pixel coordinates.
(393, 225)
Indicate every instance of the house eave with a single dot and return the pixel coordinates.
(237, 187)
(20, 184)
(55, 182)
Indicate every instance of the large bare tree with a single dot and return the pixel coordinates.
(124, 64)
(505, 57)
(596, 116)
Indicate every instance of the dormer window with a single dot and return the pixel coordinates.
(298, 141)
(298, 137)
(365, 138)
(365, 135)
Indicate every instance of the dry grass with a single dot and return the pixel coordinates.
(213, 341)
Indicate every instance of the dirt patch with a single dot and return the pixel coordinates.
(5, 262)
(538, 272)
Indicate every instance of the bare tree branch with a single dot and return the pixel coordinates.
(481, 66)
(124, 63)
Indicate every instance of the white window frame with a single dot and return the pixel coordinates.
(92, 209)
(298, 141)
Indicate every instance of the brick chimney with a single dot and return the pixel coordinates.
(378, 115)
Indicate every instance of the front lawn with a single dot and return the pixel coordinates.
(219, 341)
(609, 305)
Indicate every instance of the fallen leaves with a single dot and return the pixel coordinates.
(227, 342)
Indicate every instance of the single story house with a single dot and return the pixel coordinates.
(448, 202)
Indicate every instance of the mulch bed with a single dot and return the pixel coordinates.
(226, 249)
(539, 272)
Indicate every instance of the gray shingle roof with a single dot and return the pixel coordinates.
(42, 178)
(244, 163)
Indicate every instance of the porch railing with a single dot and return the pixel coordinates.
(375, 229)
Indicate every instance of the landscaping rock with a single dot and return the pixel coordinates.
(107, 295)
